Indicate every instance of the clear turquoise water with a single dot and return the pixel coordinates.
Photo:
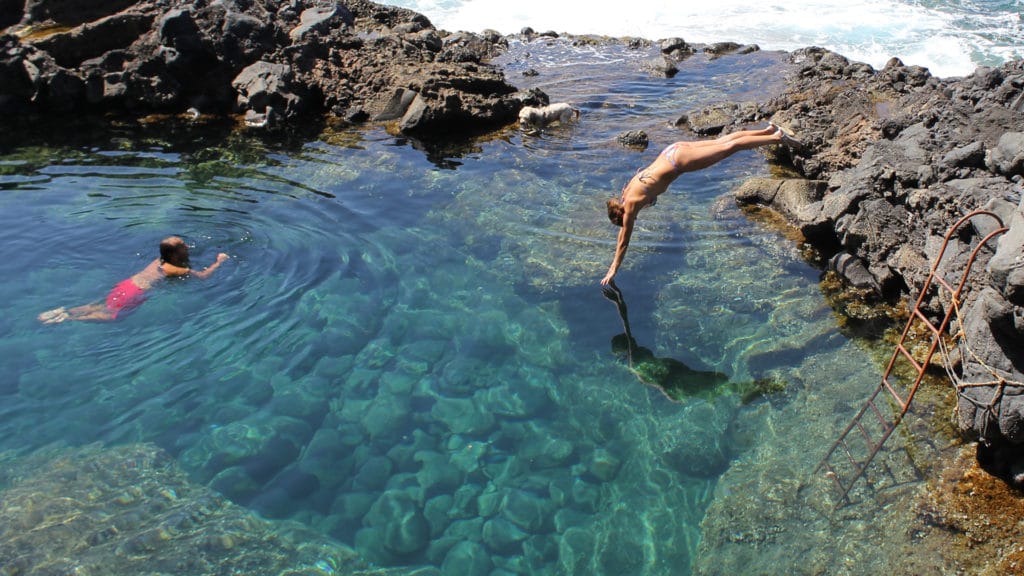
(413, 355)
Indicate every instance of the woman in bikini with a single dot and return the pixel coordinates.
(648, 183)
(130, 292)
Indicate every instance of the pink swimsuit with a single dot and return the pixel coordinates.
(125, 296)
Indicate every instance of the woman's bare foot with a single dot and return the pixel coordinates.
(788, 140)
(54, 316)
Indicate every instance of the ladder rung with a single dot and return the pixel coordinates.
(906, 353)
(849, 453)
(893, 392)
(942, 282)
(864, 432)
(926, 321)
(878, 414)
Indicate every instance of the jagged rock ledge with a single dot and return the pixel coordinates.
(273, 63)
(891, 160)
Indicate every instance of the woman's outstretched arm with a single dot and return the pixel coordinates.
(628, 219)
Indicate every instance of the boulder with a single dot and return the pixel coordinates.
(662, 66)
(705, 453)
(502, 536)
(70, 12)
(467, 558)
(265, 85)
(714, 120)
(795, 195)
(321, 19)
(400, 523)
(1007, 265)
(1007, 156)
(527, 511)
(760, 191)
(633, 139)
(853, 271)
(677, 48)
(993, 330)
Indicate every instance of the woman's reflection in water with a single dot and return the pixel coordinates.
(675, 379)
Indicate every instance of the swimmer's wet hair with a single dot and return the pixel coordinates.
(615, 211)
(170, 251)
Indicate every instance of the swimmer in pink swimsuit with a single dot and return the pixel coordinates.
(125, 296)
(131, 292)
(679, 157)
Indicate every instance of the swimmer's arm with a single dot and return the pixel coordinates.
(205, 272)
(628, 219)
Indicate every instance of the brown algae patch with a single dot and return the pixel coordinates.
(970, 519)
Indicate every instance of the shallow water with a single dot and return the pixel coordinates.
(413, 355)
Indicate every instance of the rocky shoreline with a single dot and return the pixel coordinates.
(271, 63)
(892, 160)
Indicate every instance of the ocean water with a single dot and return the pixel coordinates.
(409, 352)
(950, 38)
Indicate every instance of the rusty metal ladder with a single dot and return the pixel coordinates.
(846, 461)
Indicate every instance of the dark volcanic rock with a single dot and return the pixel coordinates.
(262, 59)
(906, 156)
(713, 120)
(634, 139)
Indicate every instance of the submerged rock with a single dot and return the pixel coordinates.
(467, 558)
(130, 510)
(400, 522)
(634, 139)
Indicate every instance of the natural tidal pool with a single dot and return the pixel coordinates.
(409, 351)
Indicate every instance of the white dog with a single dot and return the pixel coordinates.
(536, 119)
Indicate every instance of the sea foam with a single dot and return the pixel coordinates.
(949, 38)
